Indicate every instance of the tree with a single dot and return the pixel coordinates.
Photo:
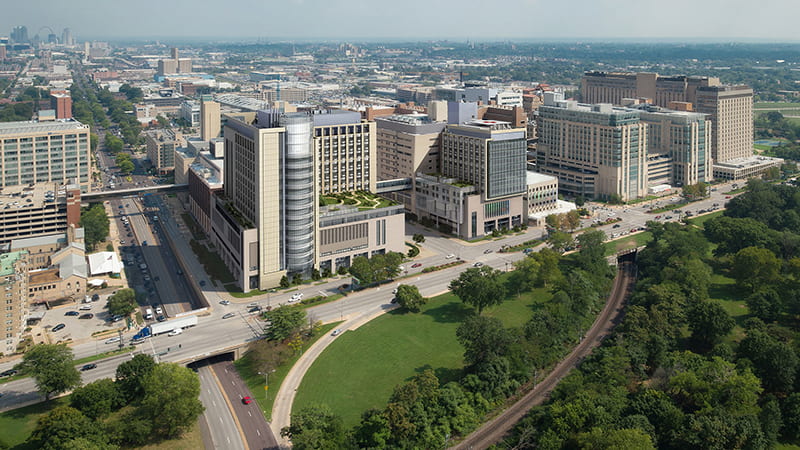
(479, 287)
(286, 321)
(63, 427)
(284, 283)
(315, 427)
(408, 297)
(482, 338)
(171, 399)
(766, 304)
(755, 267)
(773, 361)
(95, 224)
(591, 256)
(52, 367)
(113, 143)
(560, 241)
(122, 303)
(790, 412)
(97, 399)
(709, 322)
(622, 439)
(418, 238)
(126, 166)
(131, 374)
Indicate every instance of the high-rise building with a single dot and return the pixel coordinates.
(19, 35)
(66, 38)
(174, 64)
(613, 87)
(482, 184)
(730, 109)
(3, 53)
(596, 151)
(678, 147)
(35, 152)
(209, 119)
(345, 149)
(268, 222)
(14, 281)
(161, 145)
(61, 102)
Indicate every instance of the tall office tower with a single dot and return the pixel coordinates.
(36, 152)
(14, 281)
(66, 38)
(161, 145)
(174, 52)
(61, 102)
(19, 35)
(345, 149)
(612, 87)
(594, 150)
(3, 53)
(209, 119)
(730, 109)
(269, 181)
(678, 147)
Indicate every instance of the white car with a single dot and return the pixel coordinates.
(175, 332)
(159, 310)
(296, 297)
(336, 332)
(86, 307)
(225, 302)
(112, 340)
(450, 256)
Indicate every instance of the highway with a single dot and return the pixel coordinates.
(217, 415)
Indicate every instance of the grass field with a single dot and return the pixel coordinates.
(700, 221)
(393, 348)
(628, 242)
(17, 424)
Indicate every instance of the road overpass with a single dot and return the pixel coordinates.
(101, 196)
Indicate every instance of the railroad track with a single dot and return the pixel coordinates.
(493, 431)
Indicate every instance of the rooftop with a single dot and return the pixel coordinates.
(32, 127)
(7, 261)
(538, 178)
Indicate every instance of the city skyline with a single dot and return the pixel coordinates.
(447, 19)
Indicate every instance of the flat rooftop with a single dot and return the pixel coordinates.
(32, 127)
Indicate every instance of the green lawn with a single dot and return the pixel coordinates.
(17, 424)
(724, 291)
(699, 222)
(360, 370)
(773, 105)
(255, 382)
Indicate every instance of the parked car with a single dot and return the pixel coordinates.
(228, 316)
(161, 318)
(86, 307)
(86, 316)
(487, 251)
(72, 313)
(58, 327)
(478, 264)
(450, 256)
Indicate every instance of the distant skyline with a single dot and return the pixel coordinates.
(409, 20)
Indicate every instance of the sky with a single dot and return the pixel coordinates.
(409, 20)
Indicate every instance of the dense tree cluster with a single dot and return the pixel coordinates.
(674, 376)
(377, 268)
(146, 403)
(426, 413)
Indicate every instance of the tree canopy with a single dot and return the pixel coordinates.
(94, 221)
(479, 287)
(52, 366)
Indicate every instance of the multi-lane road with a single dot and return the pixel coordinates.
(214, 334)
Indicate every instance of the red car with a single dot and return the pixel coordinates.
(416, 265)
(246, 400)
(727, 196)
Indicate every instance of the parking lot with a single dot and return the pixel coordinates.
(80, 321)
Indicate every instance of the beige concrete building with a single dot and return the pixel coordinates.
(267, 223)
(344, 147)
(205, 180)
(542, 193)
(730, 109)
(678, 147)
(209, 120)
(596, 151)
(161, 145)
(38, 152)
(14, 284)
(174, 64)
(65, 278)
(613, 87)
(184, 157)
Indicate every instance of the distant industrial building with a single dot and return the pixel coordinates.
(174, 64)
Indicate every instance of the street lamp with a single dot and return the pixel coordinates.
(266, 382)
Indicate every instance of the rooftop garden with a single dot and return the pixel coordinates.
(361, 199)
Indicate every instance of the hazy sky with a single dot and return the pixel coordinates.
(774, 20)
